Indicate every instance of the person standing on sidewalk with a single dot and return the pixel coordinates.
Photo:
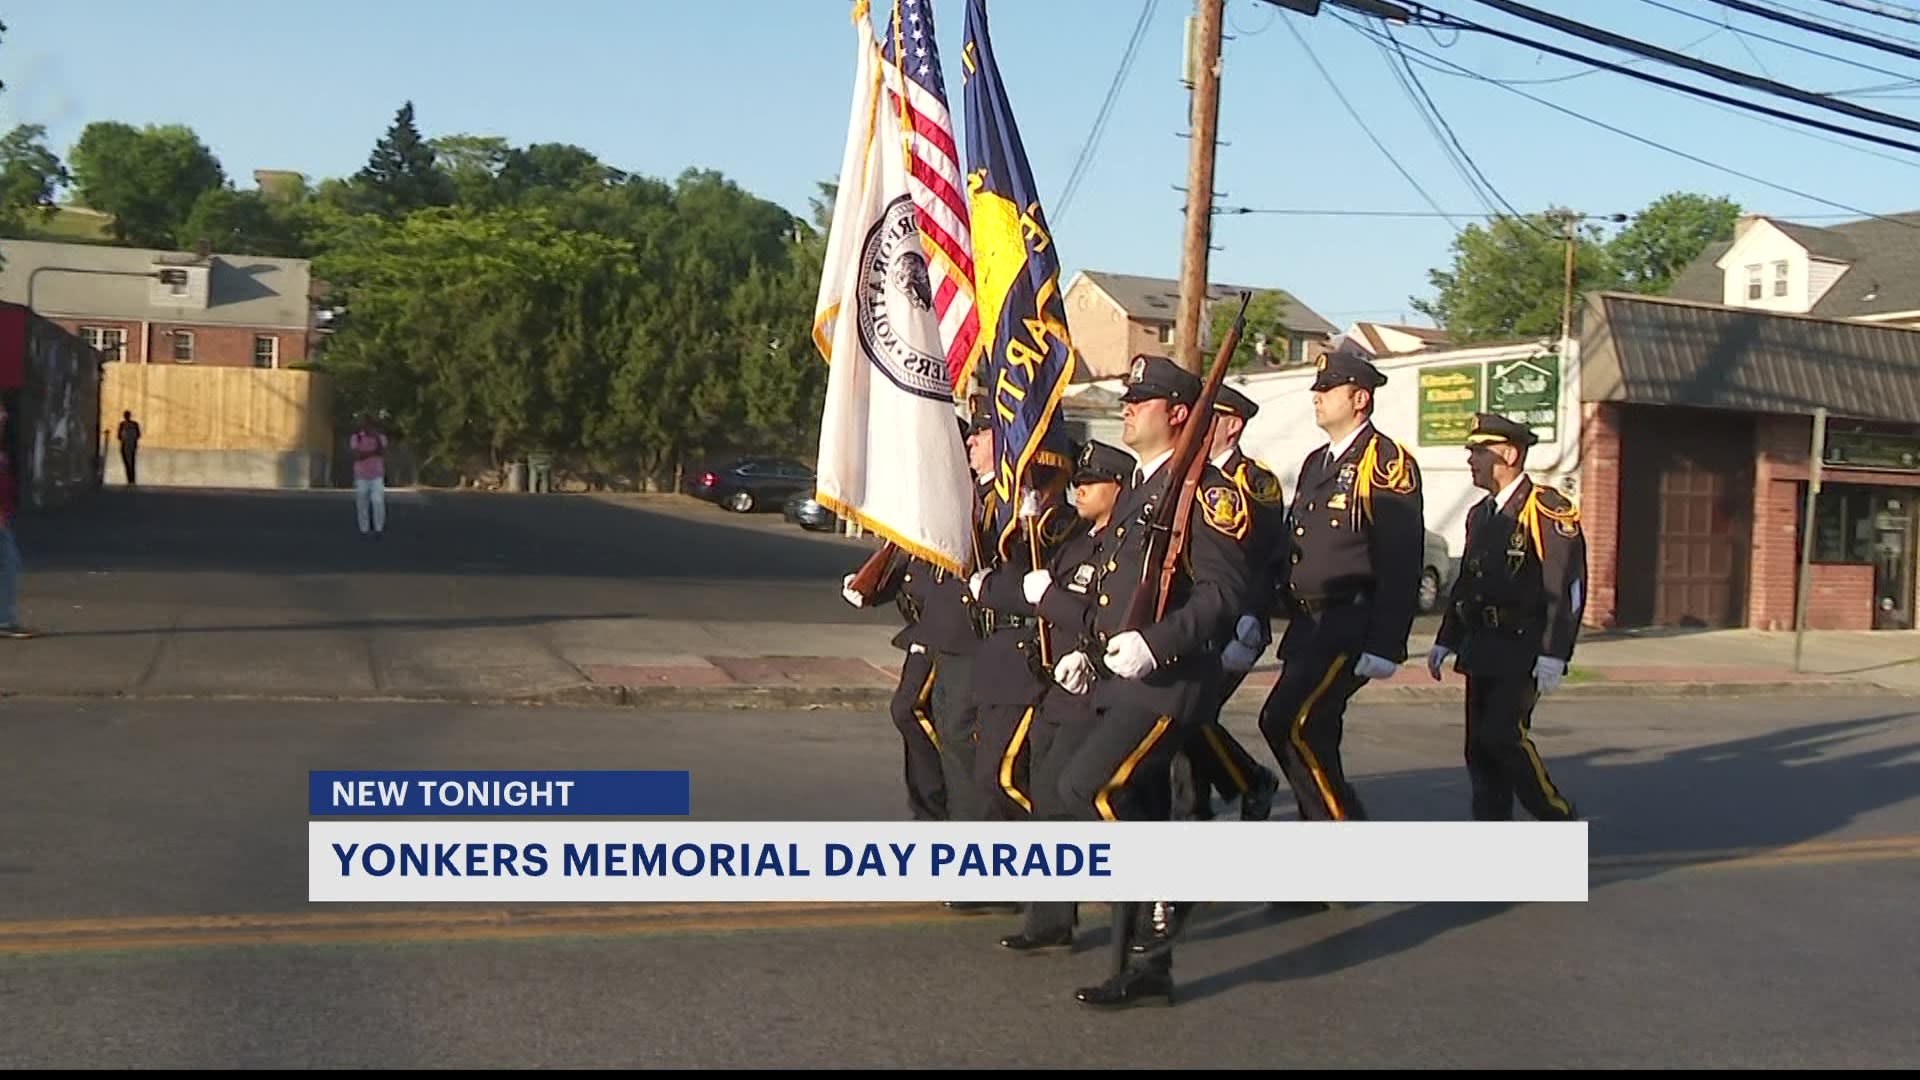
(9, 549)
(1512, 619)
(129, 434)
(369, 446)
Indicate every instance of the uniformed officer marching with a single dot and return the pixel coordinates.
(1356, 537)
(913, 696)
(1066, 591)
(1213, 760)
(1010, 671)
(1512, 619)
(1152, 684)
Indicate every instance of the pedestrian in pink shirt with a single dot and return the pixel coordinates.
(369, 448)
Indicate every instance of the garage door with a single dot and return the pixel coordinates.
(1687, 500)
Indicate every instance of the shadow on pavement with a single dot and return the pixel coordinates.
(428, 532)
(1693, 806)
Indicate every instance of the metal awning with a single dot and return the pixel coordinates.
(1658, 351)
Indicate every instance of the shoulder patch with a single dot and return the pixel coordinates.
(1226, 510)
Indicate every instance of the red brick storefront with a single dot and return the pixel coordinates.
(1696, 433)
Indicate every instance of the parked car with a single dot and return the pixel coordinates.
(805, 511)
(1436, 574)
(753, 483)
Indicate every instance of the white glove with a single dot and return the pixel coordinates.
(1436, 657)
(1240, 656)
(1249, 632)
(847, 593)
(1074, 673)
(1035, 585)
(1547, 672)
(1129, 657)
(1370, 666)
(978, 579)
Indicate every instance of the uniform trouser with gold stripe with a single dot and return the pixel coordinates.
(1060, 723)
(1120, 772)
(1002, 760)
(913, 715)
(1501, 758)
(1211, 759)
(1303, 720)
(954, 719)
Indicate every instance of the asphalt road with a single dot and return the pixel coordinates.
(1754, 869)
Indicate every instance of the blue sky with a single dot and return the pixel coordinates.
(758, 89)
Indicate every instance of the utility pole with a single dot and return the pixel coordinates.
(1205, 125)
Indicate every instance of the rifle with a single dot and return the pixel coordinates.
(1167, 531)
(866, 580)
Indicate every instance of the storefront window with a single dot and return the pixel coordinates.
(1843, 525)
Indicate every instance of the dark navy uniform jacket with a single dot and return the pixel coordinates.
(1521, 585)
(1009, 668)
(1357, 541)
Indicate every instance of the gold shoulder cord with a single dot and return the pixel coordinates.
(1531, 514)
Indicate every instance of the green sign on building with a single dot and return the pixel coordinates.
(1449, 396)
(1527, 391)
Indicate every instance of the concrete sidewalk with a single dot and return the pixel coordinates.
(663, 662)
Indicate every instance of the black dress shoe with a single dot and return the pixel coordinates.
(1134, 986)
(1024, 942)
(979, 907)
(1257, 803)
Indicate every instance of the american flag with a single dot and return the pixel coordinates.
(934, 176)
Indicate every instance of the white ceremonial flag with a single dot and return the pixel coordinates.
(891, 454)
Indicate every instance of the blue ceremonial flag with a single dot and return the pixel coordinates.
(1029, 358)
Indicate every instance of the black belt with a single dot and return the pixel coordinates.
(1315, 605)
(996, 621)
(1495, 617)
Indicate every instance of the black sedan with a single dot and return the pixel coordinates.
(753, 483)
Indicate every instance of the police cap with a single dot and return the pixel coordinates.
(981, 421)
(1494, 428)
(1234, 403)
(1099, 463)
(1344, 368)
(1158, 377)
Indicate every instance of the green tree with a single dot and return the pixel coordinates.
(245, 223)
(1508, 278)
(401, 175)
(1670, 233)
(1266, 317)
(30, 175)
(148, 178)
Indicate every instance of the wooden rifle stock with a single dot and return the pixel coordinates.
(1167, 531)
(867, 579)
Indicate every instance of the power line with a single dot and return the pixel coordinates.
(1683, 87)
(1355, 114)
(1623, 133)
(1085, 158)
(1832, 30)
(1303, 211)
(1724, 74)
(1899, 14)
(1778, 41)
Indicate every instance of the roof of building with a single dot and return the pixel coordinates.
(1882, 253)
(1664, 351)
(1159, 299)
(114, 282)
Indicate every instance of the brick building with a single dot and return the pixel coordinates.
(1117, 316)
(1696, 438)
(144, 306)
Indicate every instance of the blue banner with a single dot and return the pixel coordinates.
(434, 793)
(1029, 358)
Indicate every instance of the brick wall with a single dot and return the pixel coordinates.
(1838, 598)
(1600, 507)
(213, 346)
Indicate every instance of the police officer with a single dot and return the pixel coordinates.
(1512, 619)
(1213, 760)
(1014, 664)
(913, 697)
(1064, 719)
(1356, 536)
(1151, 684)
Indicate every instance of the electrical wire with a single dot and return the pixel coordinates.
(1699, 67)
(1777, 41)
(1084, 161)
(1362, 124)
(1833, 30)
(1885, 11)
(1442, 64)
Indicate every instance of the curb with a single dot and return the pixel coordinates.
(817, 698)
